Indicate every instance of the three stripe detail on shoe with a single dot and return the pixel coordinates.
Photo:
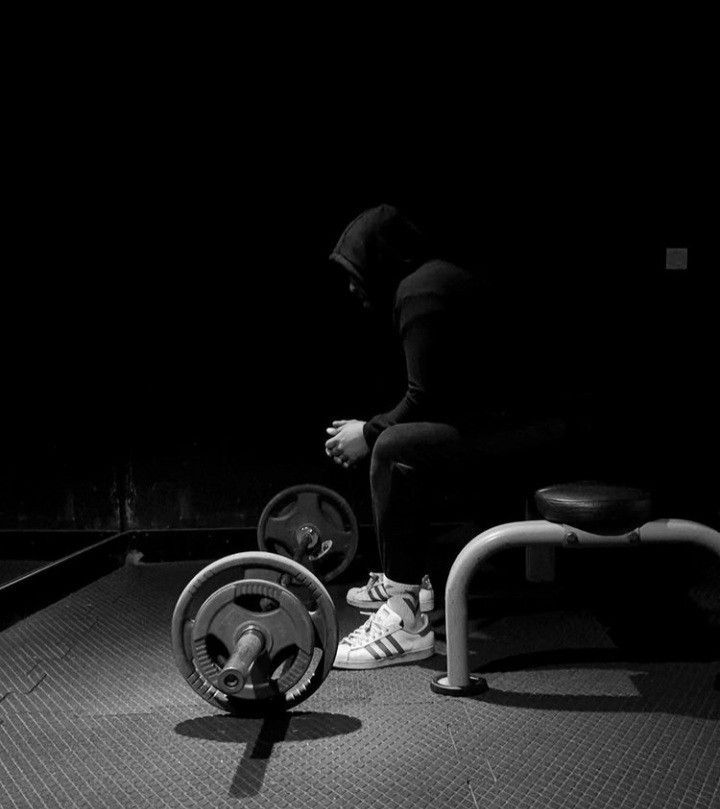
(412, 602)
(381, 647)
(378, 592)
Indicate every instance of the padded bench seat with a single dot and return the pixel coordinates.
(593, 506)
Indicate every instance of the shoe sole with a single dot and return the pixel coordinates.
(396, 660)
(375, 605)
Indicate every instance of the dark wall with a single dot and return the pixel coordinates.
(176, 343)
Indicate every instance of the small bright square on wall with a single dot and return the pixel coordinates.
(676, 258)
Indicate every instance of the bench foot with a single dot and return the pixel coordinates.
(477, 685)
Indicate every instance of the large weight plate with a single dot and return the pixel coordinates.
(205, 599)
(270, 610)
(315, 510)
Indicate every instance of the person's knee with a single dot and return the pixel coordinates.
(391, 446)
(388, 457)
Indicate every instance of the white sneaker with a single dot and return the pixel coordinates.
(374, 594)
(384, 640)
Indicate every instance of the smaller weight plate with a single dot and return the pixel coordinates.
(313, 511)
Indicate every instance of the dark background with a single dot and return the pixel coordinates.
(175, 341)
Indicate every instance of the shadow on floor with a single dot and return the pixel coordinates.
(668, 646)
(260, 735)
(684, 691)
(659, 682)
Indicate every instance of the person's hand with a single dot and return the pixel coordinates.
(347, 444)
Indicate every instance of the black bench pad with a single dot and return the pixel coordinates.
(593, 506)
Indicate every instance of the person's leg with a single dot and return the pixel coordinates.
(402, 466)
(414, 464)
(411, 465)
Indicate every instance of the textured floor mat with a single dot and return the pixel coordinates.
(93, 713)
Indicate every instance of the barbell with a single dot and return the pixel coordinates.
(254, 632)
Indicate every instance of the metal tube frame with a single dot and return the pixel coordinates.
(532, 533)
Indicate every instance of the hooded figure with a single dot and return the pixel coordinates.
(460, 417)
(440, 313)
(378, 249)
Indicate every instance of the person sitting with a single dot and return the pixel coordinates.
(468, 410)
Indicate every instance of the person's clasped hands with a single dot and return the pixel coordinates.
(347, 444)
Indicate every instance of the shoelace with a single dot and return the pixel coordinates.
(366, 633)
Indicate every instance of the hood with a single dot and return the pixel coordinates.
(380, 248)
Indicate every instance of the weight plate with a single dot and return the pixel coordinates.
(313, 512)
(296, 617)
(272, 611)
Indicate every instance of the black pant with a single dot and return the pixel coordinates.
(413, 464)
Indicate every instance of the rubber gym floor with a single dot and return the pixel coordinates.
(580, 713)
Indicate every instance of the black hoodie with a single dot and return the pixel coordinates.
(463, 360)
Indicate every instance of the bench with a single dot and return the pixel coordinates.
(584, 513)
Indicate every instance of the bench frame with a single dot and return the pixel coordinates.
(532, 533)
